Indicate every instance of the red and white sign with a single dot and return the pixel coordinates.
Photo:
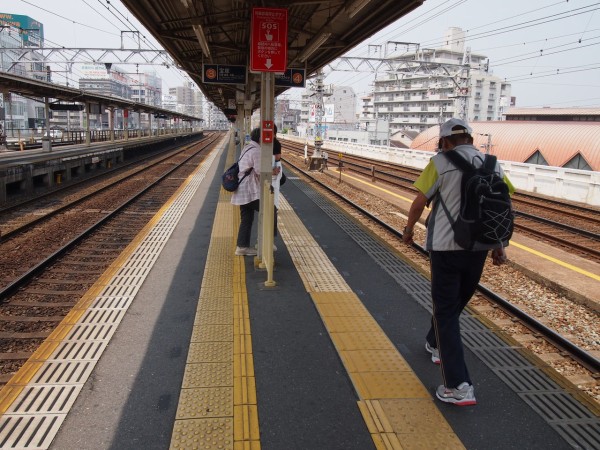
(267, 131)
(268, 46)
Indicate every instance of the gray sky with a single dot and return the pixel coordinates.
(531, 43)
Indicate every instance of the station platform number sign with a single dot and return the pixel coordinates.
(268, 45)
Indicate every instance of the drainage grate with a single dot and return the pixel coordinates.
(537, 390)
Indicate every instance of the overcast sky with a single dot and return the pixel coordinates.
(534, 44)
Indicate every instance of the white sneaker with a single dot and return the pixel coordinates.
(435, 353)
(463, 395)
(245, 251)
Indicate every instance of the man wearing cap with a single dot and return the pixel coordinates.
(455, 272)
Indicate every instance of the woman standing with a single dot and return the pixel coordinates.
(247, 194)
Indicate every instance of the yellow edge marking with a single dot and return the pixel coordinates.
(231, 284)
(12, 389)
(368, 183)
(556, 261)
(523, 247)
(376, 372)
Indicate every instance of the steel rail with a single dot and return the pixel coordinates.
(10, 234)
(577, 353)
(22, 280)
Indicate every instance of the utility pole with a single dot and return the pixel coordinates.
(316, 160)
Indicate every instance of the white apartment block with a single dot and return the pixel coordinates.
(339, 109)
(437, 84)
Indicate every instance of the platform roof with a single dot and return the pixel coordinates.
(223, 28)
(37, 89)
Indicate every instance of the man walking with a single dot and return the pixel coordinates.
(455, 271)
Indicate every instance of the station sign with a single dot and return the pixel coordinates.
(268, 40)
(291, 78)
(222, 74)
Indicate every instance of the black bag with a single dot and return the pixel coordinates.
(230, 179)
(283, 179)
(486, 216)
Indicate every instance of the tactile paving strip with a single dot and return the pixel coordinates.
(530, 382)
(37, 399)
(217, 407)
(374, 365)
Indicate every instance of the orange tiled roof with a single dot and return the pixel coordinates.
(558, 142)
(554, 111)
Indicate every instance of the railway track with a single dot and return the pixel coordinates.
(47, 268)
(573, 227)
(537, 327)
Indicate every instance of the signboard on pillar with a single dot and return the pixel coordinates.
(268, 40)
(267, 131)
(291, 78)
(222, 74)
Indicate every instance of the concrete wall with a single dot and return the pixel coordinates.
(567, 184)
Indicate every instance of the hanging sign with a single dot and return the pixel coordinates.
(268, 40)
(222, 74)
(291, 78)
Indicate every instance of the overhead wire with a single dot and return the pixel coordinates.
(150, 44)
(65, 18)
(522, 25)
(130, 27)
(496, 31)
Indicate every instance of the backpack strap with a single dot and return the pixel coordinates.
(242, 155)
(489, 163)
(247, 172)
(461, 163)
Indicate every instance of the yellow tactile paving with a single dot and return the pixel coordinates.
(387, 387)
(361, 341)
(217, 406)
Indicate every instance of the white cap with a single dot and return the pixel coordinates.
(446, 128)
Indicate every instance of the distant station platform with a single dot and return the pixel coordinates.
(23, 172)
(181, 345)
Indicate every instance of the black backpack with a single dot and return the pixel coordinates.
(230, 179)
(486, 216)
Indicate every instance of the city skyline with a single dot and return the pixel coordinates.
(546, 50)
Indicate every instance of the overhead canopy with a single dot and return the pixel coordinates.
(29, 87)
(218, 32)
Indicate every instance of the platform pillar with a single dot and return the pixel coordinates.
(267, 209)
(46, 141)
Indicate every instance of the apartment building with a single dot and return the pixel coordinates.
(435, 85)
(16, 32)
(339, 110)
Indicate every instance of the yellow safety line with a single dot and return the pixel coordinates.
(513, 242)
(556, 261)
(398, 410)
(218, 405)
(368, 183)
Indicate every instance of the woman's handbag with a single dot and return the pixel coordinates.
(282, 180)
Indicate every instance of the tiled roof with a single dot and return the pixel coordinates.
(554, 111)
(558, 142)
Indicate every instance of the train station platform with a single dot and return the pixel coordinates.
(181, 345)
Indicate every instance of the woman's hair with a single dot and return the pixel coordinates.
(255, 135)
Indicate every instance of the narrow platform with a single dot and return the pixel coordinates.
(204, 356)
